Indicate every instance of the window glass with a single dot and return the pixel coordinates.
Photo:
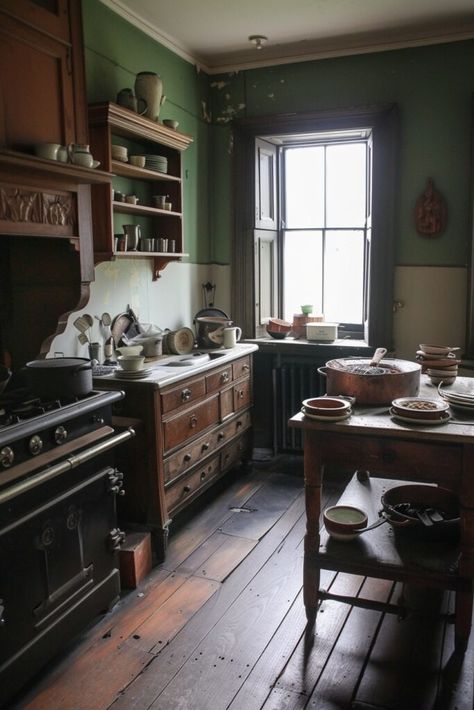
(302, 271)
(344, 276)
(345, 185)
(304, 187)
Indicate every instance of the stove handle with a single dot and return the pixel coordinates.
(66, 465)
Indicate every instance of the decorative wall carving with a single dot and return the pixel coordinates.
(430, 212)
(21, 205)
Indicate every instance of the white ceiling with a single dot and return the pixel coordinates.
(214, 33)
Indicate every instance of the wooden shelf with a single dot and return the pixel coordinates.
(19, 163)
(128, 208)
(127, 123)
(107, 121)
(131, 171)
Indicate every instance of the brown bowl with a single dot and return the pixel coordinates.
(419, 408)
(277, 334)
(344, 522)
(278, 325)
(326, 406)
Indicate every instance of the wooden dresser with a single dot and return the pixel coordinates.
(191, 429)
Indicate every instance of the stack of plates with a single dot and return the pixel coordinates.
(439, 362)
(157, 162)
(133, 374)
(461, 397)
(418, 410)
(119, 152)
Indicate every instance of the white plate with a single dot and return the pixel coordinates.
(133, 375)
(320, 418)
(469, 409)
(421, 422)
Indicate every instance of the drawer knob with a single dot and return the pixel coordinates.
(224, 377)
(246, 368)
(221, 435)
(238, 424)
(203, 475)
(205, 447)
(193, 421)
(187, 489)
(241, 394)
(187, 457)
(186, 394)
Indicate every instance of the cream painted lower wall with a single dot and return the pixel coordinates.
(434, 301)
(170, 302)
(434, 307)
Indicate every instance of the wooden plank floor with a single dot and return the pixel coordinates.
(220, 624)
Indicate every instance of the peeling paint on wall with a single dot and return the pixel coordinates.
(219, 84)
(205, 113)
(229, 112)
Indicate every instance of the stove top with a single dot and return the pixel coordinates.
(22, 413)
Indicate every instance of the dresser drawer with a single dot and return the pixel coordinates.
(219, 379)
(241, 367)
(187, 486)
(189, 423)
(234, 452)
(190, 455)
(242, 394)
(186, 392)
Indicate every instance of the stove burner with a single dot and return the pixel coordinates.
(20, 405)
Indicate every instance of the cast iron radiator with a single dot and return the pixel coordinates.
(292, 383)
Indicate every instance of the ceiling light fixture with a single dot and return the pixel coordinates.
(258, 40)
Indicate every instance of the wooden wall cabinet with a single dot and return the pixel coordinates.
(110, 123)
(194, 431)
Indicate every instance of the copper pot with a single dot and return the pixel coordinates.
(380, 385)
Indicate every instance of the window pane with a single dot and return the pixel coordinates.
(346, 185)
(344, 276)
(304, 184)
(302, 269)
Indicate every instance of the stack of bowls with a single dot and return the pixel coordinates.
(439, 362)
(159, 163)
(119, 152)
(326, 409)
(278, 328)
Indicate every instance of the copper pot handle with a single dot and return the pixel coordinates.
(377, 356)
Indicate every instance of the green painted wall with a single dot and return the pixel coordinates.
(115, 52)
(433, 87)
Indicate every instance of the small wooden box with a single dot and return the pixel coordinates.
(135, 559)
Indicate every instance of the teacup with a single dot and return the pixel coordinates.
(159, 201)
(47, 150)
(131, 363)
(131, 199)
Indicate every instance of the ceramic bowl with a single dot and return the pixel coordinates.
(306, 310)
(129, 349)
(437, 349)
(170, 123)
(277, 334)
(419, 407)
(276, 324)
(326, 406)
(131, 363)
(343, 522)
(442, 380)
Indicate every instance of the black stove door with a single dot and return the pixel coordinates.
(51, 561)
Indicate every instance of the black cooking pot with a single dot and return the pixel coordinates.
(55, 378)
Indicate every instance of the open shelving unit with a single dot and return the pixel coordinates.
(111, 124)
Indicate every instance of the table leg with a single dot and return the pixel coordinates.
(313, 475)
(462, 627)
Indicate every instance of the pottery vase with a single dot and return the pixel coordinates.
(149, 90)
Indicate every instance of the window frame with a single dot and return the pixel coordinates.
(383, 121)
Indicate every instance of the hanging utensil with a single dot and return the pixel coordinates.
(208, 292)
(82, 324)
(83, 339)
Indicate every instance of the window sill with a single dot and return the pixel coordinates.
(310, 348)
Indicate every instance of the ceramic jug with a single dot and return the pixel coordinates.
(79, 154)
(149, 89)
(133, 234)
(127, 98)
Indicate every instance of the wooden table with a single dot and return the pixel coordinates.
(370, 440)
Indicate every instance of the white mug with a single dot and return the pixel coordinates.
(231, 336)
